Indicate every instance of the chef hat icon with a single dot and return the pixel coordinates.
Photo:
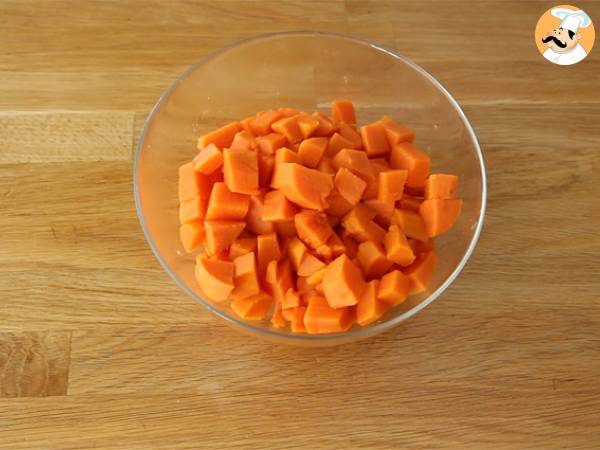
(570, 19)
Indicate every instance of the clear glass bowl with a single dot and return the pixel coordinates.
(305, 70)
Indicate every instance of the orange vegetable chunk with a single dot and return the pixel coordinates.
(192, 210)
(193, 184)
(321, 318)
(374, 139)
(284, 280)
(269, 143)
(369, 308)
(252, 308)
(208, 160)
(325, 165)
(410, 223)
(343, 111)
(393, 288)
(397, 247)
(306, 187)
(350, 186)
(307, 124)
(242, 246)
(439, 215)
(266, 165)
(357, 162)
(311, 151)
(391, 185)
(221, 233)
(338, 205)
(326, 126)
(297, 319)
(282, 155)
(240, 168)
(278, 208)
(226, 205)
(359, 224)
(245, 276)
(243, 140)
(384, 211)
(267, 250)
(277, 319)
(291, 299)
(395, 132)
(336, 143)
(310, 265)
(215, 277)
(373, 260)
(349, 133)
(410, 203)
(296, 251)
(421, 271)
(343, 283)
(192, 235)
(254, 218)
(406, 156)
(312, 228)
(441, 186)
(261, 125)
(288, 127)
(222, 138)
(286, 228)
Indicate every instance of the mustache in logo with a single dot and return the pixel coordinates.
(555, 40)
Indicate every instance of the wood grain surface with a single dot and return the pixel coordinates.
(98, 347)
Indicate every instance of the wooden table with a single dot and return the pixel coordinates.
(99, 348)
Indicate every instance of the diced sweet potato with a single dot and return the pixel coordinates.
(306, 187)
(406, 156)
(240, 168)
(350, 186)
(343, 111)
(397, 247)
(297, 319)
(350, 133)
(241, 246)
(410, 223)
(421, 271)
(261, 125)
(269, 143)
(325, 166)
(288, 127)
(221, 233)
(338, 205)
(282, 155)
(410, 203)
(307, 125)
(439, 215)
(359, 224)
(291, 299)
(441, 186)
(395, 132)
(391, 185)
(310, 265)
(277, 319)
(374, 139)
(286, 228)
(312, 228)
(369, 308)
(252, 308)
(278, 208)
(208, 160)
(326, 126)
(384, 211)
(336, 143)
(357, 162)
(226, 205)
(192, 210)
(215, 277)
(393, 288)
(321, 318)
(267, 250)
(192, 235)
(343, 283)
(311, 151)
(373, 260)
(193, 184)
(222, 138)
(245, 276)
(243, 140)
(284, 280)
(254, 218)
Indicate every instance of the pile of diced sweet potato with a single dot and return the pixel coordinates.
(312, 221)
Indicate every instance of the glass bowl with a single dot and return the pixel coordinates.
(305, 70)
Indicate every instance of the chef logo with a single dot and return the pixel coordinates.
(565, 35)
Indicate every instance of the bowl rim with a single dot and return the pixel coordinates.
(345, 336)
